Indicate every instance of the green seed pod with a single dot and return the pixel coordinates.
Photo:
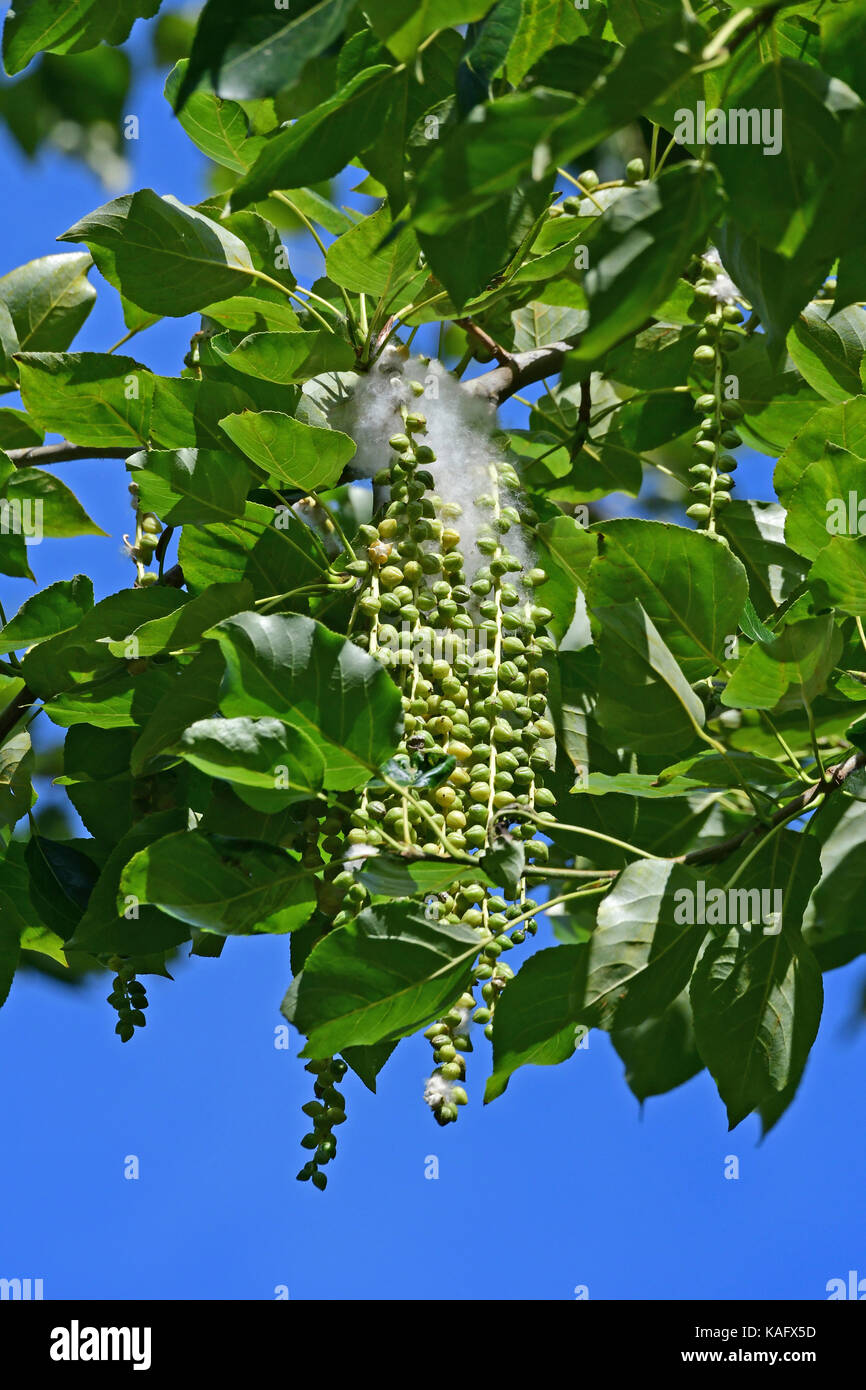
(699, 511)
(732, 410)
(704, 403)
(399, 442)
(701, 470)
(730, 439)
(635, 170)
(704, 353)
(391, 576)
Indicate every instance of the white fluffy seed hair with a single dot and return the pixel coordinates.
(437, 1090)
(461, 431)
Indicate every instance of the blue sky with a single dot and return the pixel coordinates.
(561, 1183)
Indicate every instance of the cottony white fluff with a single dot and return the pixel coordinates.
(437, 1090)
(461, 430)
(724, 289)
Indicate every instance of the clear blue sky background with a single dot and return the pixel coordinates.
(562, 1182)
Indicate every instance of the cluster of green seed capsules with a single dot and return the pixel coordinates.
(717, 340)
(326, 1112)
(464, 638)
(128, 998)
(148, 529)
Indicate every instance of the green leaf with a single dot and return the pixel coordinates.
(387, 876)
(483, 159)
(367, 1062)
(321, 142)
(10, 954)
(793, 667)
(462, 258)
(253, 314)
(194, 695)
(488, 44)
(756, 532)
(833, 925)
(16, 770)
(165, 257)
(67, 26)
(48, 300)
(54, 610)
(660, 1053)
(17, 430)
(115, 702)
(504, 863)
(777, 197)
(645, 702)
(731, 769)
(643, 949)
(287, 357)
(134, 928)
(220, 129)
(757, 996)
(819, 503)
(843, 426)
(90, 398)
(212, 554)
(403, 24)
(654, 63)
(691, 586)
(543, 25)
(54, 507)
(828, 352)
(106, 401)
(218, 884)
(776, 286)
(285, 556)
(639, 248)
(61, 881)
(260, 753)
(301, 455)
(322, 684)
(260, 50)
(375, 258)
(838, 576)
(80, 653)
(380, 977)
(191, 485)
(13, 553)
(184, 626)
(777, 404)
(536, 1015)
(566, 551)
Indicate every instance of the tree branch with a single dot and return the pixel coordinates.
(63, 453)
(14, 711)
(833, 779)
(522, 370)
